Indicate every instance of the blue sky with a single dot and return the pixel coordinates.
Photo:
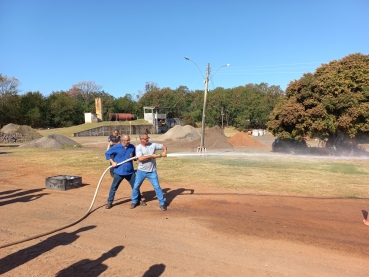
(121, 45)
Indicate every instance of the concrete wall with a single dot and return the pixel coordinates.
(108, 130)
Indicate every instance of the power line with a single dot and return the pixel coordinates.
(246, 73)
(278, 68)
(275, 64)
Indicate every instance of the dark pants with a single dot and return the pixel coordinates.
(116, 182)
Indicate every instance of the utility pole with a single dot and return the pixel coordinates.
(222, 114)
(202, 147)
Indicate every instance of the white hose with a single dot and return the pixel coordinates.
(75, 222)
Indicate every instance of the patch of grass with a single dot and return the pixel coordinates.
(348, 169)
(66, 146)
(68, 131)
(271, 175)
(256, 174)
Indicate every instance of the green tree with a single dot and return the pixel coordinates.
(33, 109)
(164, 97)
(64, 111)
(332, 101)
(124, 105)
(243, 107)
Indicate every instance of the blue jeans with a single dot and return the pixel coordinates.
(116, 182)
(153, 178)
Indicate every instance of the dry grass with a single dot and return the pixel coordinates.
(273, 175)
(262, 175)
(68, 132)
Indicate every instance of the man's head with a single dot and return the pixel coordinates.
(144, 138)
(125, 140)
(116, 132)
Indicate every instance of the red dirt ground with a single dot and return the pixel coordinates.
(204, 232)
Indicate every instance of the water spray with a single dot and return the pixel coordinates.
(73, 223)
(265, 155)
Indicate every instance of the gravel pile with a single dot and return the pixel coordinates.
(13, 133)
(215, 139)
(51, 141)
(180, 133)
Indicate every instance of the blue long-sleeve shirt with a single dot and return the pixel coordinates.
(121, 154)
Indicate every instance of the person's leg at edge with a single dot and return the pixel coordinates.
(154, 180)
(114, 186)
(140, 176)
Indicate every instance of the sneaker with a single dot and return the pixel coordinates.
(163, 207)
(133, 206)
(108, 205)
(143, 203)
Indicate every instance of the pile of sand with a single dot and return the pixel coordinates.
(13, 133)
(243, 139)
(182, 137)
(51, 141)
(214, 139)
(180, 133)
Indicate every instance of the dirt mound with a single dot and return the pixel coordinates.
(180, 139)
(243, 139)
(13, 133)
(10, 128)
(180, 133)
(214, 139)
(51, 141)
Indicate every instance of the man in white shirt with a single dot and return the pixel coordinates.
(146, 156)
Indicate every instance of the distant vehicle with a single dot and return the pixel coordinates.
(291, 146)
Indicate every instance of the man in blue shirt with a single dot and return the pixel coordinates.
(147, 169)
(116, 154)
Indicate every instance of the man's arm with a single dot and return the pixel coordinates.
(164, 152)
(148, 157)
(153, 156)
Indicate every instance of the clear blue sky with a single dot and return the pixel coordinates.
(49, 45)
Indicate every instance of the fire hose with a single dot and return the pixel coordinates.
(73, 223)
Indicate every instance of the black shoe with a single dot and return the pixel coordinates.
(133, 206)
(108, 205)
(163, 207)
(143, 203)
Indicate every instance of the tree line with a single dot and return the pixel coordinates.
(243, 107)
(331, 102)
